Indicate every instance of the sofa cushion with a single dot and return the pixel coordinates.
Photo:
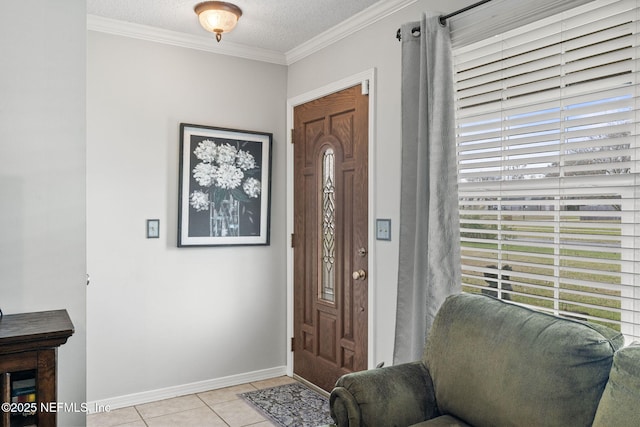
(495, 363)
(443, 421)
(620, 401)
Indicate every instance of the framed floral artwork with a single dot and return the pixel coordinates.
(225, 186)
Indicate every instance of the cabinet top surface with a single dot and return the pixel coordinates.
(43, 325)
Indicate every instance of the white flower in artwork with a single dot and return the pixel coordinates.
(225, 177)
(226, 154)
(245, 160)
(200, 200)
(205, 174)
(228, 176)
(252, 187)
(206, 151)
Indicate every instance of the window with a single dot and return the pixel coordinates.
(328, 233)
(547, 128)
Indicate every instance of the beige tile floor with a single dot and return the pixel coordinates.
(215, 408)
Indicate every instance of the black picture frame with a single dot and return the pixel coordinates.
(224, 186)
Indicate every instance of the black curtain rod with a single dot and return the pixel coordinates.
(443, 18)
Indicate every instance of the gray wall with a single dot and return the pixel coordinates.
(42, 172)
(162, 316)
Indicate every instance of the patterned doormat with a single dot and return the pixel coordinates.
(291, 405)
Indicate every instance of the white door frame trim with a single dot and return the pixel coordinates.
(365, 77)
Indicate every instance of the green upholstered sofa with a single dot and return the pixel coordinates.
(491, 363)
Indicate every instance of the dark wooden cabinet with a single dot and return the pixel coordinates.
(28, 347)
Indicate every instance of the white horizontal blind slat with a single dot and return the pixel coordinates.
(549, 174)
(483, 22)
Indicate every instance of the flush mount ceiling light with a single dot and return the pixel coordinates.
(218, 16)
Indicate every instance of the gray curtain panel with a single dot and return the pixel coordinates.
(429, 257)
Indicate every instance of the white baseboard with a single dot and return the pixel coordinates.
(182, 390)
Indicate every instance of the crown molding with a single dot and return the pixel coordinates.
(357, 22)
(174, 38)
(363, 19)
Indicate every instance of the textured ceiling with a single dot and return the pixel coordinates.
(278, 25)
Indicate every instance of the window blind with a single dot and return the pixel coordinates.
(499, 16)
(547, 126)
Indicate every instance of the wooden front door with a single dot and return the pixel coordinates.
(330, 236)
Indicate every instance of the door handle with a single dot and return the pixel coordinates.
(359, 275)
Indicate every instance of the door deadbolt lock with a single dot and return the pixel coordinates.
(359, 275)
(362, 252)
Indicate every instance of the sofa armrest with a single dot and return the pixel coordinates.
(397, 395)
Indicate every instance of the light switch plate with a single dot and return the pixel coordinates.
(383, 229)
(153, 228)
